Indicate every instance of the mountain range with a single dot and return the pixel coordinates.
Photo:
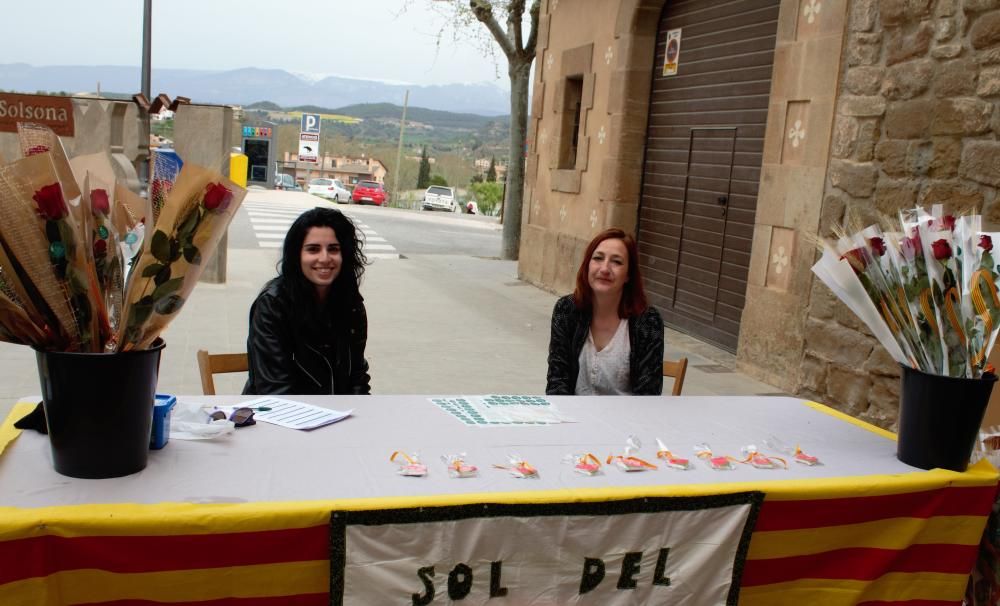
(248, 85)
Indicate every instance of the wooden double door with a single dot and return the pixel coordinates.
(703, 158)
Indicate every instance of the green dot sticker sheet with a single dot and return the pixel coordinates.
(501, 410)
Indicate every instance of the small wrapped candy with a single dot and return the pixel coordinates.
(760, 461)
(628, 462)
(409, 465)
(518, 467)
(721, 463)
(457, 467)
(586, 464)
(672, 461)
(778, 445)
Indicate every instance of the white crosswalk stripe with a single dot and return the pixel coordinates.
(270, 224)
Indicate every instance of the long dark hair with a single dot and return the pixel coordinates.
(344, 290)
(633, 301)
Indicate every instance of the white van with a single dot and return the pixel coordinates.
(438, 197)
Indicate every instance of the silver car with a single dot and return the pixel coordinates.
(438, 197)
(331, 189)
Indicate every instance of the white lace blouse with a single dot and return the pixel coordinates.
(605, 372)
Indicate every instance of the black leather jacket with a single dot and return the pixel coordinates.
(290, 356)
(570, 327)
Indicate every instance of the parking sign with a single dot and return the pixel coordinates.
(310, 123)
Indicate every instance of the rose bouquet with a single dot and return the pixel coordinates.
(927, 288)
(78, 272)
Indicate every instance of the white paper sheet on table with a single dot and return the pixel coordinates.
(292, 414)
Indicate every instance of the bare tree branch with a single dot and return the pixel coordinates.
(534, 11)
(515, 12)
(483, 11)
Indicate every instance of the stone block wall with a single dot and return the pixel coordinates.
(917, 122)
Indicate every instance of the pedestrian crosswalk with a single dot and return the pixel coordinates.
(270, 223)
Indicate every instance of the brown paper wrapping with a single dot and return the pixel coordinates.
(150, 306)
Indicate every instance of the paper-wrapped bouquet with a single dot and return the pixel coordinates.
(86, 265)
(926, 288)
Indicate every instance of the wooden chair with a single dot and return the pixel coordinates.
(676, 370)
(209, 364)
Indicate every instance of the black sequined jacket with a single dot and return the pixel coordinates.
(570, 327)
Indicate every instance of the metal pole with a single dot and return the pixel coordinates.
(399, 150)
(147, 45)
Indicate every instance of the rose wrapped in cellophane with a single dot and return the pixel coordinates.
(97, 204)
(928, 293)
(40, 139)
(193, 219)
(45, 250)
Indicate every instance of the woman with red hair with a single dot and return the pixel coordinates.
(606, 339)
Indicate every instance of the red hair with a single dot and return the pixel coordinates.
(633, 301)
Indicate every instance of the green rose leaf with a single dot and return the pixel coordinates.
(192, 255)
(139, 314)
(67, 237)
(189, 224)
(52, 231)
(162, 276)
(152, 270)
(169, 305)
(160, 247)
(175, 250)
(166, 288)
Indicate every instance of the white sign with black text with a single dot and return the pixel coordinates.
(308, 147)
(674, 550)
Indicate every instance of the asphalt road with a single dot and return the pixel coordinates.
(409, 232)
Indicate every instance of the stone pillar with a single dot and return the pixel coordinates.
(203, 136)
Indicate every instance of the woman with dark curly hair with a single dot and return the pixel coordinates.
(606, 339)
(308, 326)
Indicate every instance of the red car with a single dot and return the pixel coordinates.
(369, 192)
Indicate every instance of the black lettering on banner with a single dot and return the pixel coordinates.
(496, 591)
(593, 574)
(661, 567)
(426, 574)
(458, 589)
(630, 568)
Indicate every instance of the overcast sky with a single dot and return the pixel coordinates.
(391, 40)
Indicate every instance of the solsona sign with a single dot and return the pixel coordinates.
(54, 112)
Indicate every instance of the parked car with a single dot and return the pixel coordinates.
(286, 182)
(438, 197)
(331, 189)
(369, 192)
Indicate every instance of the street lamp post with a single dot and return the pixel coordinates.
(147, 43)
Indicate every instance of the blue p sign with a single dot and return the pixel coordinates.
(310, 123)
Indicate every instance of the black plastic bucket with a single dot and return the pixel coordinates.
(939, 418)
(99, 409)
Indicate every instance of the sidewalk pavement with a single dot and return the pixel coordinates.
(438, 324)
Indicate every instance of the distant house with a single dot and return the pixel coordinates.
(349, 170)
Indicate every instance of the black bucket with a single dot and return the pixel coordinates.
(939, 418)
(99, 409)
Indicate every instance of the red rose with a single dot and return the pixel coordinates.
(985, 243)
(100, 247)
(878, 246)
(51, 205)
(948, 222)
(99, 203)
(942, 250)
(217, 197)
(857, 258)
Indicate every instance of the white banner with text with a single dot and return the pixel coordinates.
(673, 550)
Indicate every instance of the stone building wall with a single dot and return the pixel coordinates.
(916, 123)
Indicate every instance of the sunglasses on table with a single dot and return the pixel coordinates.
(241, 417)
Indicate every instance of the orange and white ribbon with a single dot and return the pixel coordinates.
(587, 464)
(629, 463)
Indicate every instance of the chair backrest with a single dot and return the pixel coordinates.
(676, 370)
(210, 364)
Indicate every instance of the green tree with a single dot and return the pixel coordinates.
(424, 174)
(488, 195)
(438, 180)
(518, 47)
(491, 174)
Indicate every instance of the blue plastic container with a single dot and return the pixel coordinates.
(161, 421)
